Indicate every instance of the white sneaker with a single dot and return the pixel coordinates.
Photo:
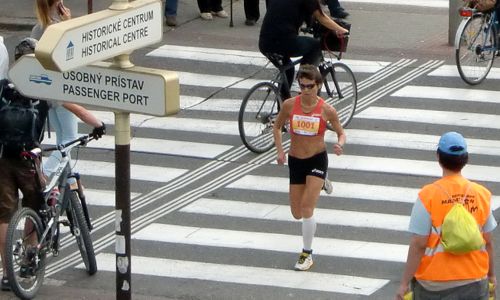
(206, 16)
(220, 14)
(305, 262)
(327, 186)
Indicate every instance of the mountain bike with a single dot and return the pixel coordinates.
(261, 104)
(31, 235)
(476, 44)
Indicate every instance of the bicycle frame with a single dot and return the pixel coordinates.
(60, 179)
(489, 18)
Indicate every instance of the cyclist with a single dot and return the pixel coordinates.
(15, 172)
(307, 158)
(280, 33)
(18, 173)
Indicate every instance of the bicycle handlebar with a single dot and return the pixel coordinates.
(83, 140)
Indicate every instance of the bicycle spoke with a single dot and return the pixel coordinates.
(476, 49)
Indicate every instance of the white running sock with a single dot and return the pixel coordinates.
(308, 231)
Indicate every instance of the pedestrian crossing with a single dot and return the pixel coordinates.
(223, 214)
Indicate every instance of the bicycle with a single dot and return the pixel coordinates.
(31, 234)
(261, 104)
(476, 44)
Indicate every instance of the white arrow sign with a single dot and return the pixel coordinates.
(101, 35)
(136, 89)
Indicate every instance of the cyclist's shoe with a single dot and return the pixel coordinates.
(26, 270)
(327, 186)
(305, 262)
(5, 284)
(28, 265)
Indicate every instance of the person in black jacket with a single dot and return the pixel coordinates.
(279, 33)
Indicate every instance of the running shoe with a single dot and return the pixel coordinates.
(305, 262)
(327, 186)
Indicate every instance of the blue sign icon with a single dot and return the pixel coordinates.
(42, 78)
(70, 51)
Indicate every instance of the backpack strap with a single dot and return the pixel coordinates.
(449, 197)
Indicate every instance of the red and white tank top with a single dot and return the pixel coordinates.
(308, 124)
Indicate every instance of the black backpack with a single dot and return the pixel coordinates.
(22, 121)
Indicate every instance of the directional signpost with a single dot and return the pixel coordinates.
(101, 35)
(136, 89)
(73, 47)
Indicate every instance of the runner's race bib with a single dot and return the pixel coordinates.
(305, 125)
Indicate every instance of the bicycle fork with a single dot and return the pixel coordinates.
(76, 185)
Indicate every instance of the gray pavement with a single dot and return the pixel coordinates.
(377, 30)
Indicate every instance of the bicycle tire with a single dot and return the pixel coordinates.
(259, 108)
(24, 286)
(81, 232)
(474, 63)
(340, 90)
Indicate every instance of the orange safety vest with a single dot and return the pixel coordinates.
(437, 265)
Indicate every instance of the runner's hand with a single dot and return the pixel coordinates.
(281, 158)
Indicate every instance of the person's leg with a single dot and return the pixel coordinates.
(171, 8)
(216, 9)
(333, 5)
(8, 204)
(171, 12)
(478, 290)
(336, 10)
(215, 5)
(307, 47)
(3, 237)
(204, 6)
(252, 12)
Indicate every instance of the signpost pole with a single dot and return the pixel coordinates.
(122, 200)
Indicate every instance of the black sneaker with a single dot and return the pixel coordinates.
(250, 22)
(5, 284)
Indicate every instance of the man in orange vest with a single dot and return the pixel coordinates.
(433, 272)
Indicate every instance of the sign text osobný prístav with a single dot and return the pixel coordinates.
(104, 87)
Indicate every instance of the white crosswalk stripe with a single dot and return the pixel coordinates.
(255, 196)
(246, 275)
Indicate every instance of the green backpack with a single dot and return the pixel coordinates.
(460, 232)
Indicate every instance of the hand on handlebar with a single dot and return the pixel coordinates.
(342, 33)
(98, 132)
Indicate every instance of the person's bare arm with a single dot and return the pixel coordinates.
(83, 114)
(416, 251)
(329, 23)
(280, 121)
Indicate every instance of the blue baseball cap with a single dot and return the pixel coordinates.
(452, 143)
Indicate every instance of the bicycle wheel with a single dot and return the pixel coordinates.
(340, 91)
(475, 49)
(81, 232)
(256, 117)
(24, 262)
